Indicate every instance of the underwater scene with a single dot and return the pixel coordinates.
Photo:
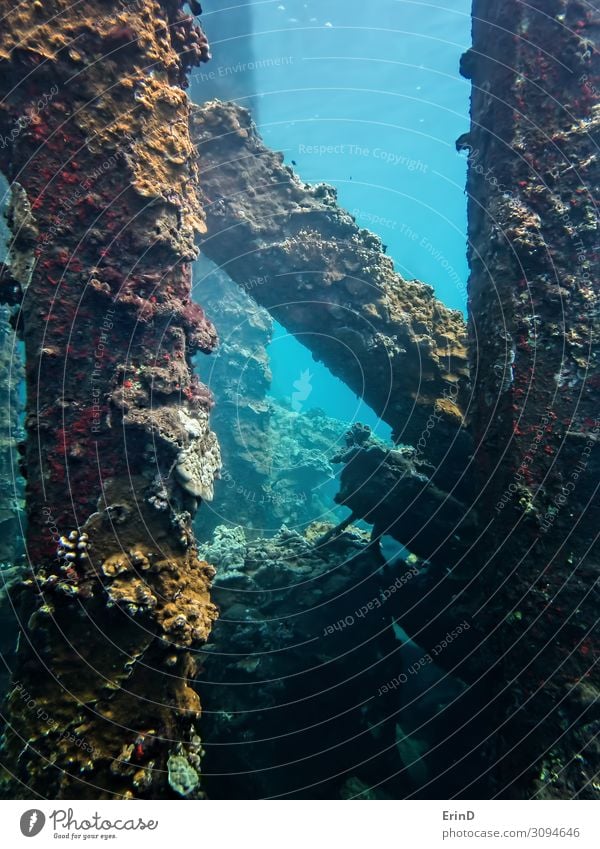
(300, 400)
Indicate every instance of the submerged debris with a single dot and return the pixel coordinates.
(393, 490)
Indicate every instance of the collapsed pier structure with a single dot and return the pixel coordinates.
(306, 261)
(529, 579)
(106, 206)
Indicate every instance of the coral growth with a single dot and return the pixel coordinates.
(303, 644)
(533, 250)
(392, 489)
(104, 218)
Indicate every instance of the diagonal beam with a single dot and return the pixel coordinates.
(328, 281)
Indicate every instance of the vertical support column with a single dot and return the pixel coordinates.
(119, 452)
(534, 321)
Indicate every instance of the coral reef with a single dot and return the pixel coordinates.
(275, 461)
(303, 472)
(294, 668)
(531, 574)
(103, 218)
(534, 320)
(389, 339)
(495, 607)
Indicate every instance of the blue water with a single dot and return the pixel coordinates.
(366, 97)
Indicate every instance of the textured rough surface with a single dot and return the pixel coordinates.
(104, 217)
(276, 466)
(321, 276)
(297, 663)
(392, 490)
(11, 375)
(239, 379)
(534, 322)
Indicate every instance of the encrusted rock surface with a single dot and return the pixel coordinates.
(104, 219)
(534, 322)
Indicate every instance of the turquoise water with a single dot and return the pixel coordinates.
(366, 97)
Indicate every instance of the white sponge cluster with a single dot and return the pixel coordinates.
(199, 462)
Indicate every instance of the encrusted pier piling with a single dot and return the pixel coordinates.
(324, 278)
(119, 453)
(532, 583)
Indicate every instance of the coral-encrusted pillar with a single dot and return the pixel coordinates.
(534, 309)
(119, 453)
